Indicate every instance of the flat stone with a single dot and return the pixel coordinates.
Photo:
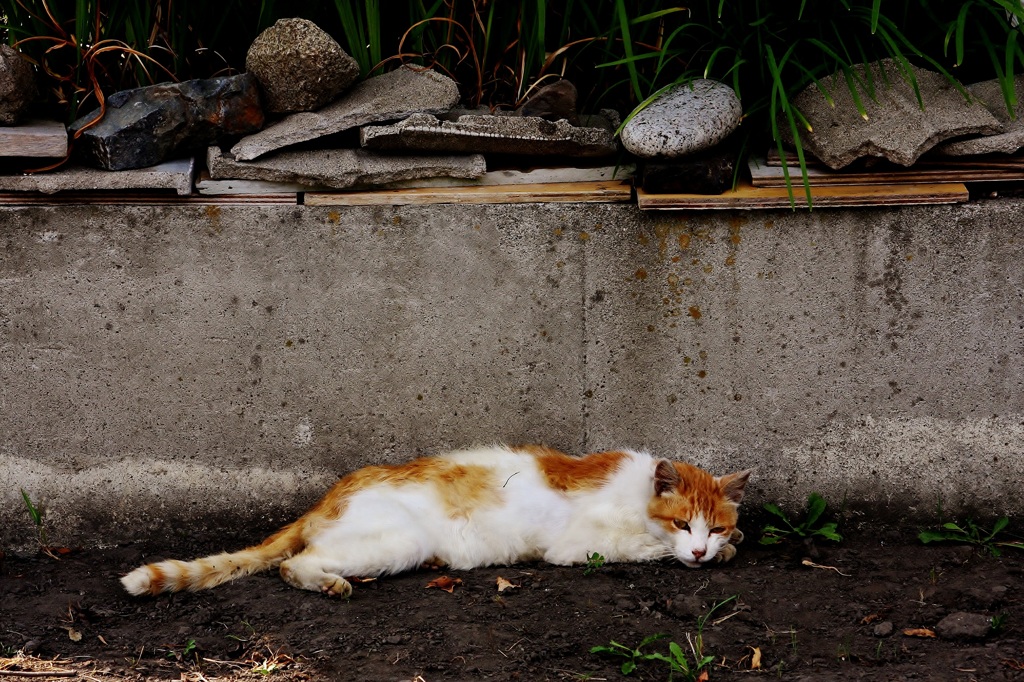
(1009, 141)
(526, 135)
(342, 168)
(299, 66)
(176, 175)
(883, 629)
(535, 176)
(964, 626)
(896, 128)
(685, 119)
(146, 126)
(45, 139)
(392, 96)
(18, 89)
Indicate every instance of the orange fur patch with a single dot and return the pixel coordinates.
(698, 493)
(461, 488)
(567, 473)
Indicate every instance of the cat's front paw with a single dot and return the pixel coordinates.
(727, 553)
(736, 537)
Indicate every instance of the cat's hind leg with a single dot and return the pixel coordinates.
(310, 571)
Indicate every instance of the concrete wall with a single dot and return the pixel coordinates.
(199, 367)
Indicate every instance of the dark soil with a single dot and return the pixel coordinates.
(808, 623)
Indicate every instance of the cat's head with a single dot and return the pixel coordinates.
(693, 511)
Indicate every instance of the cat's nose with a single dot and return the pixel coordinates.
(698, 553)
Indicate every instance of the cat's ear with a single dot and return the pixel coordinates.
(666, 477)
(733, 485)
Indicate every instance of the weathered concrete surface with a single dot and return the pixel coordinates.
(208, 367)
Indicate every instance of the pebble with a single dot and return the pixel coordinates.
(685, 119)
(883, 629)
(964, 626)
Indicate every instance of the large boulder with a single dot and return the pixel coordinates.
(17, 86)
(685, 119)
(145, 126)
(299, 66)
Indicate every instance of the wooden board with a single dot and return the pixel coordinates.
(43, 139)
(137, 199)
(577, 192)
(751, 198)
(764, 175)
(988, 161)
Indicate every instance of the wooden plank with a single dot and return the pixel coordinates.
(991, 161)
(750, 198)
(763, 175)
(44, 139)
(138, 199)
(578, 192)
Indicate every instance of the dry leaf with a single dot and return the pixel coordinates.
(703, 677)
(868, 620)
(359, 581)
(808, 562)
(504, 584)
(74, 635)
(100, 637)
(919, 632)
(755, 658)
(445, 583)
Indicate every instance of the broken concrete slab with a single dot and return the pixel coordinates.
(518, 135)
(43, 139)
(533, 176)
(990, 94)
(145, 126)
(392, 96)
(896, 126)
(342, 168)
(176, 175)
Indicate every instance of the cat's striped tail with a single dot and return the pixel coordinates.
(201, 574)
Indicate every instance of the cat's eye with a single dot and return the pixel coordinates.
(681, 525)
(718, 530)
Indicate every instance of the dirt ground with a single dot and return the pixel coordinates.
(843, 620)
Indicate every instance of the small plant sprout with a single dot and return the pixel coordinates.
(594, 562)
(37, 519)
(678, 660)
(633, 656)
(971, 533)
(811, 527)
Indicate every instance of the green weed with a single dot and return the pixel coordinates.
(970, 533)
(812, 525)
(677, 660)
(594, 562)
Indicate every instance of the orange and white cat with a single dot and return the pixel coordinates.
(494, 505)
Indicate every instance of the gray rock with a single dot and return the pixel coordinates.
(685, 119)
(146, 126)
(964, 626)
(299, 66)
(525, 135)
(342, 168)
(176, 175)
(553, 103)
(394, 95)
(1010, 140)
(896, 126)
(883, 629)
(17, 85)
